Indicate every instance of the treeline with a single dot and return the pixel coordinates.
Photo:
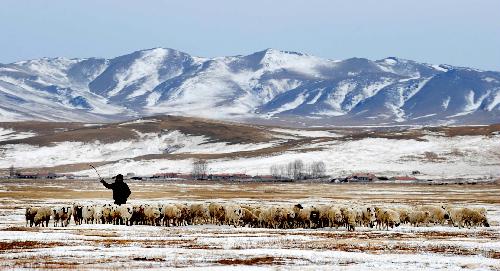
(298, 170)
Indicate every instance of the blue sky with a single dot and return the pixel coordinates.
(457, 32)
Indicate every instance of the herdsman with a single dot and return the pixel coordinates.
(121, 192)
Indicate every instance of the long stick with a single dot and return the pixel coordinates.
(96, 172)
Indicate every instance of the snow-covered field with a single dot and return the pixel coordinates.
(166, 144)
(210, 247)
(456, 157)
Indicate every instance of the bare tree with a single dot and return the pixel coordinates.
(199, 169)
(317, 169)
(12, 171)
(297, 169)
(283, 171)
(275, 171)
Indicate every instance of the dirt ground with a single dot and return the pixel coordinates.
(223, 247)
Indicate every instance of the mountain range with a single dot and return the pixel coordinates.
(269, 86)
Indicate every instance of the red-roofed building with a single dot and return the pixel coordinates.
(403, 178)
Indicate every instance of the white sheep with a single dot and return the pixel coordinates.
(216, 212)
(334, 217)
(125, 214)
(437, 214)
(42, 215)
(389, 218)
(416, 218)
(88, 214)
(171, 215)
(152, 214)
(368, 216)
(98, 214)
(199, 213)
(457, 216)
(107, 213)
(475, 217)
(349, 217)
(248, 217)
(233, 214)
(404, 213)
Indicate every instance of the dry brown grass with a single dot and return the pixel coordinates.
(4, 246)
(16, 228)
(432, 157)
(468, 130)
(199, 190)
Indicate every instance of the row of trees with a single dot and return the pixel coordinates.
(298, 170)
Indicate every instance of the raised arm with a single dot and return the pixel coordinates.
(107, 185)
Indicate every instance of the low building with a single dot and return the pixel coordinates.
(171, 175)
(362, 177)
(228, 177)
(37, 175)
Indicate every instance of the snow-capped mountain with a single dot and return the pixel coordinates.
(267, 86)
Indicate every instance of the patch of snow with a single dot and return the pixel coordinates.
(480, 158)
(471, 105)
(495, 102)
(306, 133)
(337, 97)
(61, 153)
(138, 121)
(315, 99)
(9, 134)
(490, 80)
(291, 105)
(144, 68)
(439, 68)
(390, 61)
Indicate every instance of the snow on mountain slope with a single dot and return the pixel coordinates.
(270, 84)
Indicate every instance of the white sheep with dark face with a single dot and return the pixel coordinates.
(233, 214)
(62, 215)
(368, 218)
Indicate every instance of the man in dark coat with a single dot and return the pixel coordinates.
(121, 192)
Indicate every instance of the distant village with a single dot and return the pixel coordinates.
(360, 177)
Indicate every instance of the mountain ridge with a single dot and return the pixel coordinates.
(269, 85)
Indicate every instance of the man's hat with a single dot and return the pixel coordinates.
(118, 177)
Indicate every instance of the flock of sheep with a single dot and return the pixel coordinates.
(272, 216)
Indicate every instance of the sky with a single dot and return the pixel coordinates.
(456, 32)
